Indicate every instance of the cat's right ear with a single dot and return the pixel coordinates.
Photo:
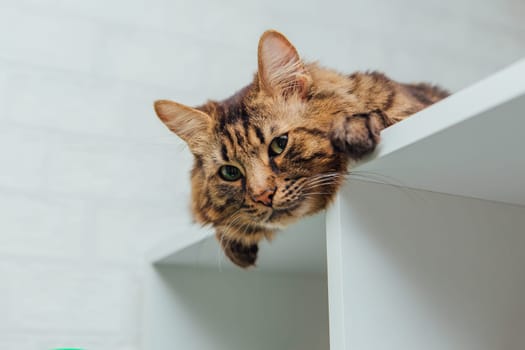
(280, 69)
(190, 124)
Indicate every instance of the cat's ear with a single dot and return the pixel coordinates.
(190, 124)
(281, 70)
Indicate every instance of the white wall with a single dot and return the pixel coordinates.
(89, 179)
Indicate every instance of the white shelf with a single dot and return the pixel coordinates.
(426, 252)
(471, 144)
(412, 269)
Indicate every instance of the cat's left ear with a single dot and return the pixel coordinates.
(281, 70)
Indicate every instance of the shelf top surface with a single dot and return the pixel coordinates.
(469, 144)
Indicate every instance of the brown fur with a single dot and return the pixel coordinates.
(330, 119)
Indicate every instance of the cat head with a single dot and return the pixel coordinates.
(263, 158)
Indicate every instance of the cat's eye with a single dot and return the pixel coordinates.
(278, 145)
(230, 173)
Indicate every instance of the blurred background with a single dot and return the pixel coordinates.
(90, 179)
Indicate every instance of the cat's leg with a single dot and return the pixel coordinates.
(357, 135)
(241, 254)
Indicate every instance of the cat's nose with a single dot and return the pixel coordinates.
(265, 197)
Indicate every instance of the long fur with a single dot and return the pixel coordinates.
(330, 120)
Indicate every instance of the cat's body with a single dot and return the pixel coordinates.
(279, 149)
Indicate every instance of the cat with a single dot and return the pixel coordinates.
(279, 149)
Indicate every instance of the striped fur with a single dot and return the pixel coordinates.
(330, 119)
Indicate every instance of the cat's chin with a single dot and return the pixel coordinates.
(280, 222)
(282, 217)
(275, 225)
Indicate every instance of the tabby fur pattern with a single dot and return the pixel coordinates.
(328, 119)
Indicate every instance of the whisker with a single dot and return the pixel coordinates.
(324, 177)
(372, 175)
(319, 180)
(400, 186)
(319, 184)
(233, 219)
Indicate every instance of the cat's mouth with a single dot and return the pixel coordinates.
(280, 213)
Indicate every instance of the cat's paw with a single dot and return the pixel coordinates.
(357, 135)
(241, 255)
